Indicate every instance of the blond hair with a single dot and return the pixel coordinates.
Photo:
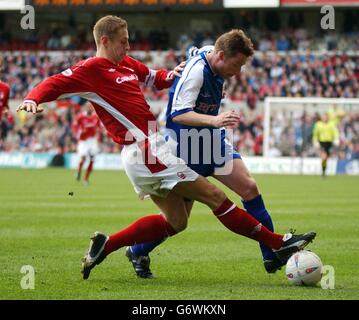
(108, 26)
(233, 42)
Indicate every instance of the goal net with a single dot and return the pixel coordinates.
(288, 127)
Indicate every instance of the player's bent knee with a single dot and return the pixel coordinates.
(249, 189)
(252, 186)
(179, 225)
(219, 194)
(216, 195)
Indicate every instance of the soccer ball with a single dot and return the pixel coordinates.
(304, 268)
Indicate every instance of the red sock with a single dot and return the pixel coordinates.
(146, 229)
(241, 222)
(89, 169)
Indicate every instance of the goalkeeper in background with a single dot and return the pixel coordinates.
(325, 135)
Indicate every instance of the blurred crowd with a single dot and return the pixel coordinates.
(51, 131)
(290, 132)
(286, 39)
(275, 70)
(283, 74)
(296, 75)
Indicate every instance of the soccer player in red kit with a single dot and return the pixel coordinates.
(4, 97)
(86, 125)
(111, 82)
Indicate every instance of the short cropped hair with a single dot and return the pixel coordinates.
(233, 42)
(108, 26)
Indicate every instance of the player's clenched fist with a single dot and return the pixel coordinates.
(29, 106)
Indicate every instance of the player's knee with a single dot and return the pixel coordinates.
(252, 186)
(250, 189)
(219, 195)
(180, 224)
(216, 196)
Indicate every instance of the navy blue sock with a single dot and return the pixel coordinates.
(257, 209)
(143, 249)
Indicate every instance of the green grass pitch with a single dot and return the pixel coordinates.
(43, 226)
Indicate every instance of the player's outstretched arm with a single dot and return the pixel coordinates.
(160, 79)
(64, 84)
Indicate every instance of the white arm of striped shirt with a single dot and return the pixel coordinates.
(188, 88)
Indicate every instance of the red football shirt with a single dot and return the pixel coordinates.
(114, 92)
(4, 96)
(86, 126)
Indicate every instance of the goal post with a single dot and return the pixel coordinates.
(278, 111)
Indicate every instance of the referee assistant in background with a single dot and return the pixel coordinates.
(325, 135)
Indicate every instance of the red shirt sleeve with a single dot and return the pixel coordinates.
(162, 81)
(157, 78)
(6, 96)
(72, 80)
